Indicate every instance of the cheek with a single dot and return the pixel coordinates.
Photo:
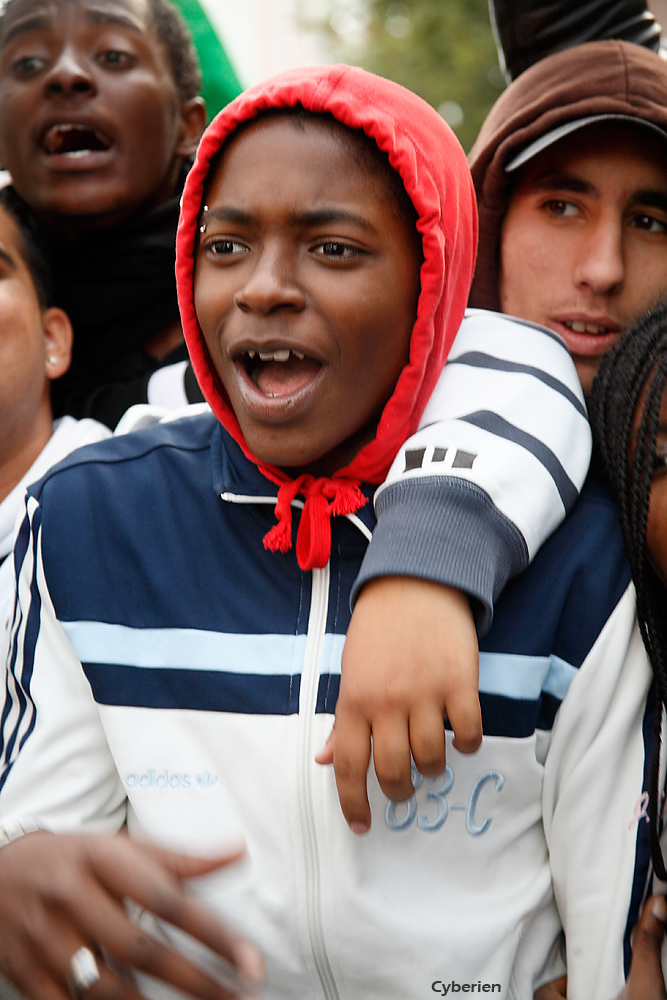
(12, 137)
(656, 530)
(392, 311)
(645, 280)
(204, 299)
(149, 121)
(527, 257)
(18, 317)
(212, 304)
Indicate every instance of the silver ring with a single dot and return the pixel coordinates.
(83, 972)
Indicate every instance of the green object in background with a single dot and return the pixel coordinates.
(221, 85)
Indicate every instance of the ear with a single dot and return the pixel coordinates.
(193, 123)
(58, 338)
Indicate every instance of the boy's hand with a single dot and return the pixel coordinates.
(61, 893)
(410, 658)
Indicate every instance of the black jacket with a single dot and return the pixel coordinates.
(528, 30)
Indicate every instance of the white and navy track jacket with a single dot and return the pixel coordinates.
(500, 455)
(168, 673)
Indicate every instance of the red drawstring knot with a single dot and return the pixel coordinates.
(325, 498)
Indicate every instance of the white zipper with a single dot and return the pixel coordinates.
(310, 677)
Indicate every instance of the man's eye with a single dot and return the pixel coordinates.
(341, 251)
(27, 66)
(115, 59)
(649, 224)
(561, 208)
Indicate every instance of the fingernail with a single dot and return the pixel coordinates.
(358, 827)
(660, 909)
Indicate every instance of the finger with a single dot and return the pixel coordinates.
(465, 718)
(32, 978)
(186, 866)
(150, 876)
(426, 730)
(39, 963)
(352, 754)
(391, 756)
(109, 986)
(43, 986)
(326, 754)
(53, 976)
(645, 979)
(106, 923)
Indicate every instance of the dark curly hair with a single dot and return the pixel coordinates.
(31, 245)
(624, 410)
(177, 42)
(174, 36)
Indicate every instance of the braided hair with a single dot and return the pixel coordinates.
(624, 410)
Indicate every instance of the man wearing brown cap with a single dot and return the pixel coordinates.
(570, 169)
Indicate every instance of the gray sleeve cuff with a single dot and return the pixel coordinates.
(447, 530)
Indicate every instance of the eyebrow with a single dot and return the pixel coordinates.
(553, 181)
(648, 197)
(315, 217)
(120, 20)
(31, 23)
(36, 22)
(652, 199)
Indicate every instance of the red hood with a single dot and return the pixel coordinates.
(426, 154)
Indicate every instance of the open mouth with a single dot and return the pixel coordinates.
(74, 140)
(282, 372)
(594, 329)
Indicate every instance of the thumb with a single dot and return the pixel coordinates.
(646, 980)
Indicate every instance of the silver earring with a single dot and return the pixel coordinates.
(202, 228)
(52, 359)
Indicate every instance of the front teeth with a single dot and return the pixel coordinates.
(578, 327)
(281, 355)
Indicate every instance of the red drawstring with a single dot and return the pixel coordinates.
(325, 498)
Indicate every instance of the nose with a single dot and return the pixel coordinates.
(69, 75)
(600, 263)
(271, 284)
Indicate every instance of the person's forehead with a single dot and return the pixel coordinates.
(585, 154)
(328, 141)
(28, 15)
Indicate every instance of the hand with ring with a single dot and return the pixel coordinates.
(65, 933)
(83, 972)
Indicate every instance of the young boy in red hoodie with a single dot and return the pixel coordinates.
(176, 648)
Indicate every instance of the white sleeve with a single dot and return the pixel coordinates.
(55, 765)
(594, 805)
(500, 457)
(166, 387)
